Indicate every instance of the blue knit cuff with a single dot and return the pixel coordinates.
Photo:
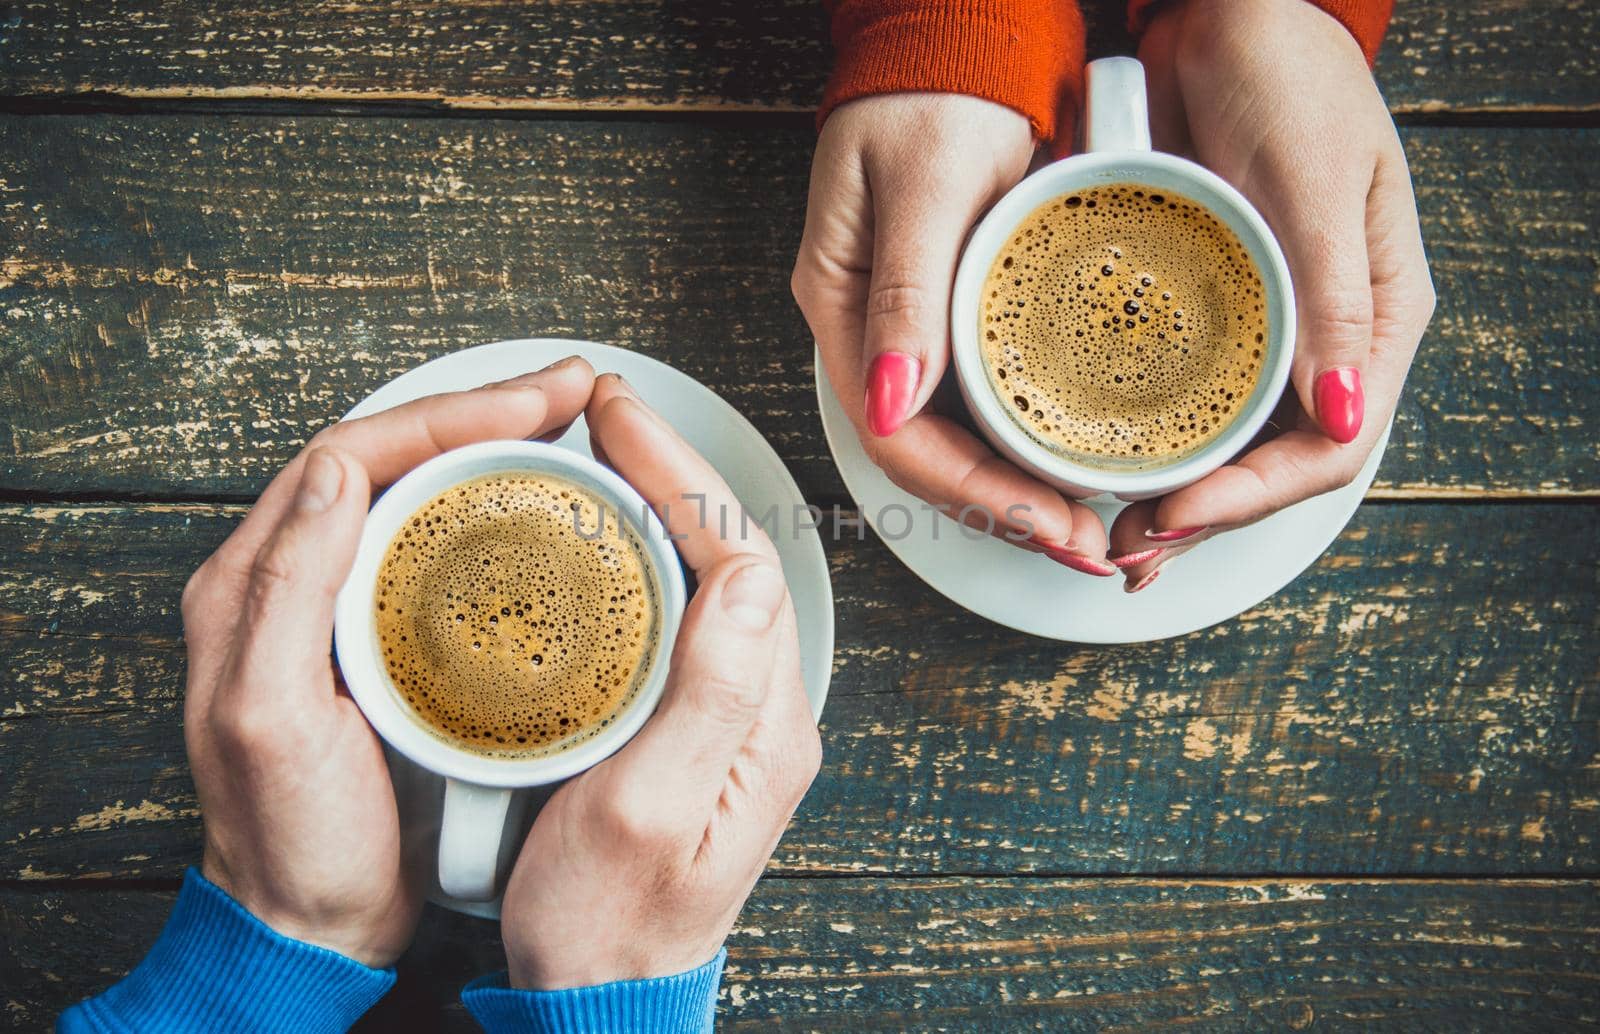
(216, 967)
(682, 1004)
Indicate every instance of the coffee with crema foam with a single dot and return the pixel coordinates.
(517, 614)
(1123, 328)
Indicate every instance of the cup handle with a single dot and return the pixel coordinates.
(469, 839)
(1117, 114)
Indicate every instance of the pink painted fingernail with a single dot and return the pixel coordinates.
(1174, 535)
(1341, 403)
(891, 388)
(1079, 563)
(1131, 559)
(1143, 582)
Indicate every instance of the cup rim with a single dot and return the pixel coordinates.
(356, 638)
(1100, 168)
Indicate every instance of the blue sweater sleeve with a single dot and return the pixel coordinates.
(216, 967)
(682, 1004)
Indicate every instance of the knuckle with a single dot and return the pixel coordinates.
(191, 604)
(801, 282)
(247, 730)
(887, 458)
(732, 698)
(753, 550)
(808, 760)
(271, 573)
(1344, 474)
(1429, 302)
(1320, 477)
(732, 564)
(790, 773)
(1342, 316)
(328, 436)
(970, 491)
(899, 305)
(627, 818)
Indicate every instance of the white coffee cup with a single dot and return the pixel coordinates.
(1117, 150)
(478, 787)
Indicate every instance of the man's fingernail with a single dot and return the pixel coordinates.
(1131, 559)
(1341, 403)
(320, 482)
(1175, 534)
(891, 388)
(622, 385)
(1080, 563)
(524, 379)
(1143, 582)
(753, 595)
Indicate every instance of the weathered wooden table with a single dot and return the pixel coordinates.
(1373, 800)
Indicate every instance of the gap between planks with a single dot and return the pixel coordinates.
(318, 101)
(1166, 880)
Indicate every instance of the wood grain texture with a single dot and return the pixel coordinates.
(999, 955)
(183, 300)
(1422, 701)
(652, 55)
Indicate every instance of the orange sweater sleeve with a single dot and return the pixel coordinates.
(1025, 54)
(1366, 19)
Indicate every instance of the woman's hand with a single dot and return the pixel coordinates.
(897, 182)
(300, 819)
(1275, 97)
(638, 867)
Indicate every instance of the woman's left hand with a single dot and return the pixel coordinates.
(1276, 98)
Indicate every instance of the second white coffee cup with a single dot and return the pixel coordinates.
(1117, 150)
(478, 787)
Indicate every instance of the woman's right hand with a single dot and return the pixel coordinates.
(897, 182)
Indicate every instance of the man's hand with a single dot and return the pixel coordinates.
(300, 819)
(638, 867)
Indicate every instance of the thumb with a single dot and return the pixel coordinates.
(721, 675)
(1325, 244)
(916, 243)
(288, 603)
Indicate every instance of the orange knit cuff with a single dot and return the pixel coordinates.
(1366, 19)
(1025, 54)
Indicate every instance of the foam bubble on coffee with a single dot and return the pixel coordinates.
(510, 620)
(1123, 328)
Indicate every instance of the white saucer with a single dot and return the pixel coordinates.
(727, 440)
(1224, 577)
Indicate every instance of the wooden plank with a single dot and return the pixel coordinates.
(183, 300)
(657, 55)
(1421, 701)
(1000, 955)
